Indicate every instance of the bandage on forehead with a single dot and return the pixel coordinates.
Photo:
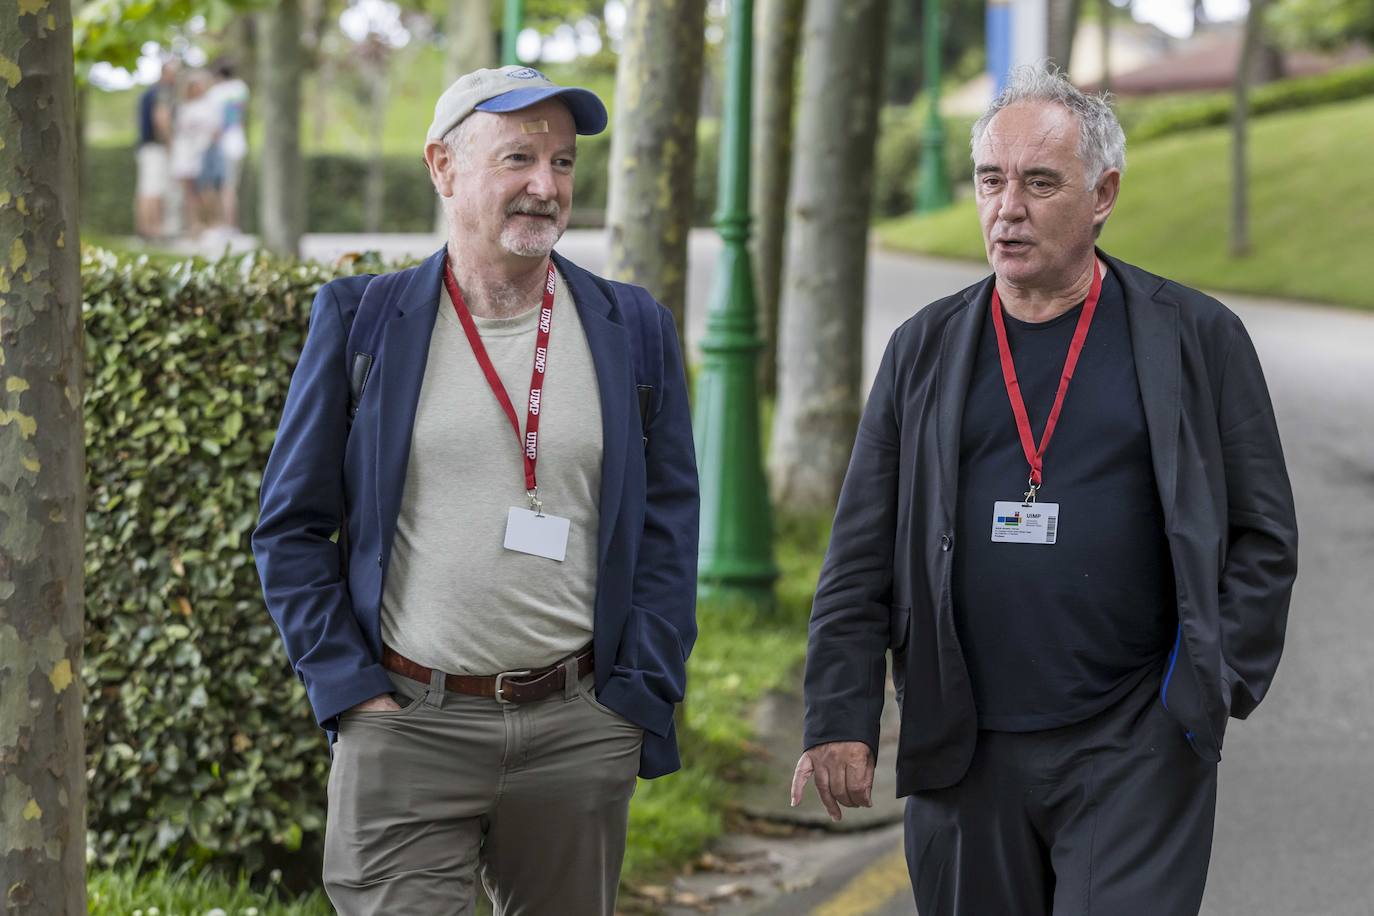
(534, 127)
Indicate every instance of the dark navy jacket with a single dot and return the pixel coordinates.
(644, 620)
(1223, 487)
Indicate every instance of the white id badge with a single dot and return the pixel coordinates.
(539, 535)
(1024, 523)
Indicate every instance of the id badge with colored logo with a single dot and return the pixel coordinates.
(1024, 523)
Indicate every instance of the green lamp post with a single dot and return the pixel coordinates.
(735, 559)
(932, 190)
(510, 30)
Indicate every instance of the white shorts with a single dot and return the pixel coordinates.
(154, 178)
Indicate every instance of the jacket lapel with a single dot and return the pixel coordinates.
(958, 352)
(1153, 320)
(403, 355)
(609, 345)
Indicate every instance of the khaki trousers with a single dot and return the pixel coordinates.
(536, 797)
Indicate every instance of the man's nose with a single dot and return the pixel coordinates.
(542, 183)
(1011, 207)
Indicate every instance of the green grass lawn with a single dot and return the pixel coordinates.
(1311, 209)
(185, 892)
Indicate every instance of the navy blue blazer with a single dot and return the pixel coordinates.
(645, 612)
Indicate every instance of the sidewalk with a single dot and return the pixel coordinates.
(782, 861)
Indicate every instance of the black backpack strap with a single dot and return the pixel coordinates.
(365, 336)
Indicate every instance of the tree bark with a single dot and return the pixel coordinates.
(281, 206)
(1104, 9)
(374, 195)
(779, 32)
(469, 44)
(42, 458)
(820, 352)
(1240, 116)
(1062, 27)
(653, 148)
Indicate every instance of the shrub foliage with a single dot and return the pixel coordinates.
(200, 742)
(1150, 119)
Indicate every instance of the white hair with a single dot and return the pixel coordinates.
(459, 142)
(1101, 141)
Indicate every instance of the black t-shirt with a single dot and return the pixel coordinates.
(1053, 634)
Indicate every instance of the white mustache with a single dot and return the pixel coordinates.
(533, 207)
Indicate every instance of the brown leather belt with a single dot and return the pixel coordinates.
(523, 686)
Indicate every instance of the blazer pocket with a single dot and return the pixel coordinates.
(899, 626)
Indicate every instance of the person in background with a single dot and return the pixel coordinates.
(154, 134)
(195, 129)
(231, 95)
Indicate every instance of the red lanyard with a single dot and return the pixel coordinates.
(529, 443)
(1036, 456)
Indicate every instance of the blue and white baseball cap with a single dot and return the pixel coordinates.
(511, 89)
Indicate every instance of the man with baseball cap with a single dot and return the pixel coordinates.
(498, 639)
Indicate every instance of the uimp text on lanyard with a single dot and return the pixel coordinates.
(527, 530)
(1029, 522)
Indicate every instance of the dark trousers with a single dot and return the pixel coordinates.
(1109, 817)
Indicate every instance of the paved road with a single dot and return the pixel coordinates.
(1295, 826)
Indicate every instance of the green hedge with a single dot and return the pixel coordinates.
(199, 738)
(336, 188)
(1148, 119)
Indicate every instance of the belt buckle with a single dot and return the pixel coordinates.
(502, 676)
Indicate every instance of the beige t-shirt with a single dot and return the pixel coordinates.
(454, 598)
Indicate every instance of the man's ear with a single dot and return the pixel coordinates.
(1104, 196)
(439, 161)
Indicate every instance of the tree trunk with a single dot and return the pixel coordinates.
(653, 148)
(1240, 115)
(469, 44)
(820, 346)
(323, 82)
(778, 31)
(374, 196)
(1104, 9)
(281, 206)
(1062, 27)
(42, 458)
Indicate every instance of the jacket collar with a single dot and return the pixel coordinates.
(958, 352)
(405, 343)
(609, 343)
(1153, 317)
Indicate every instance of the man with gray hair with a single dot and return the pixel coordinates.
(497, 641)
(1067, 516)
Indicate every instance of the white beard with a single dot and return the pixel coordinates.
(531, 240)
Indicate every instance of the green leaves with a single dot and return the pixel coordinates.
(199, 739)
(114, 31)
